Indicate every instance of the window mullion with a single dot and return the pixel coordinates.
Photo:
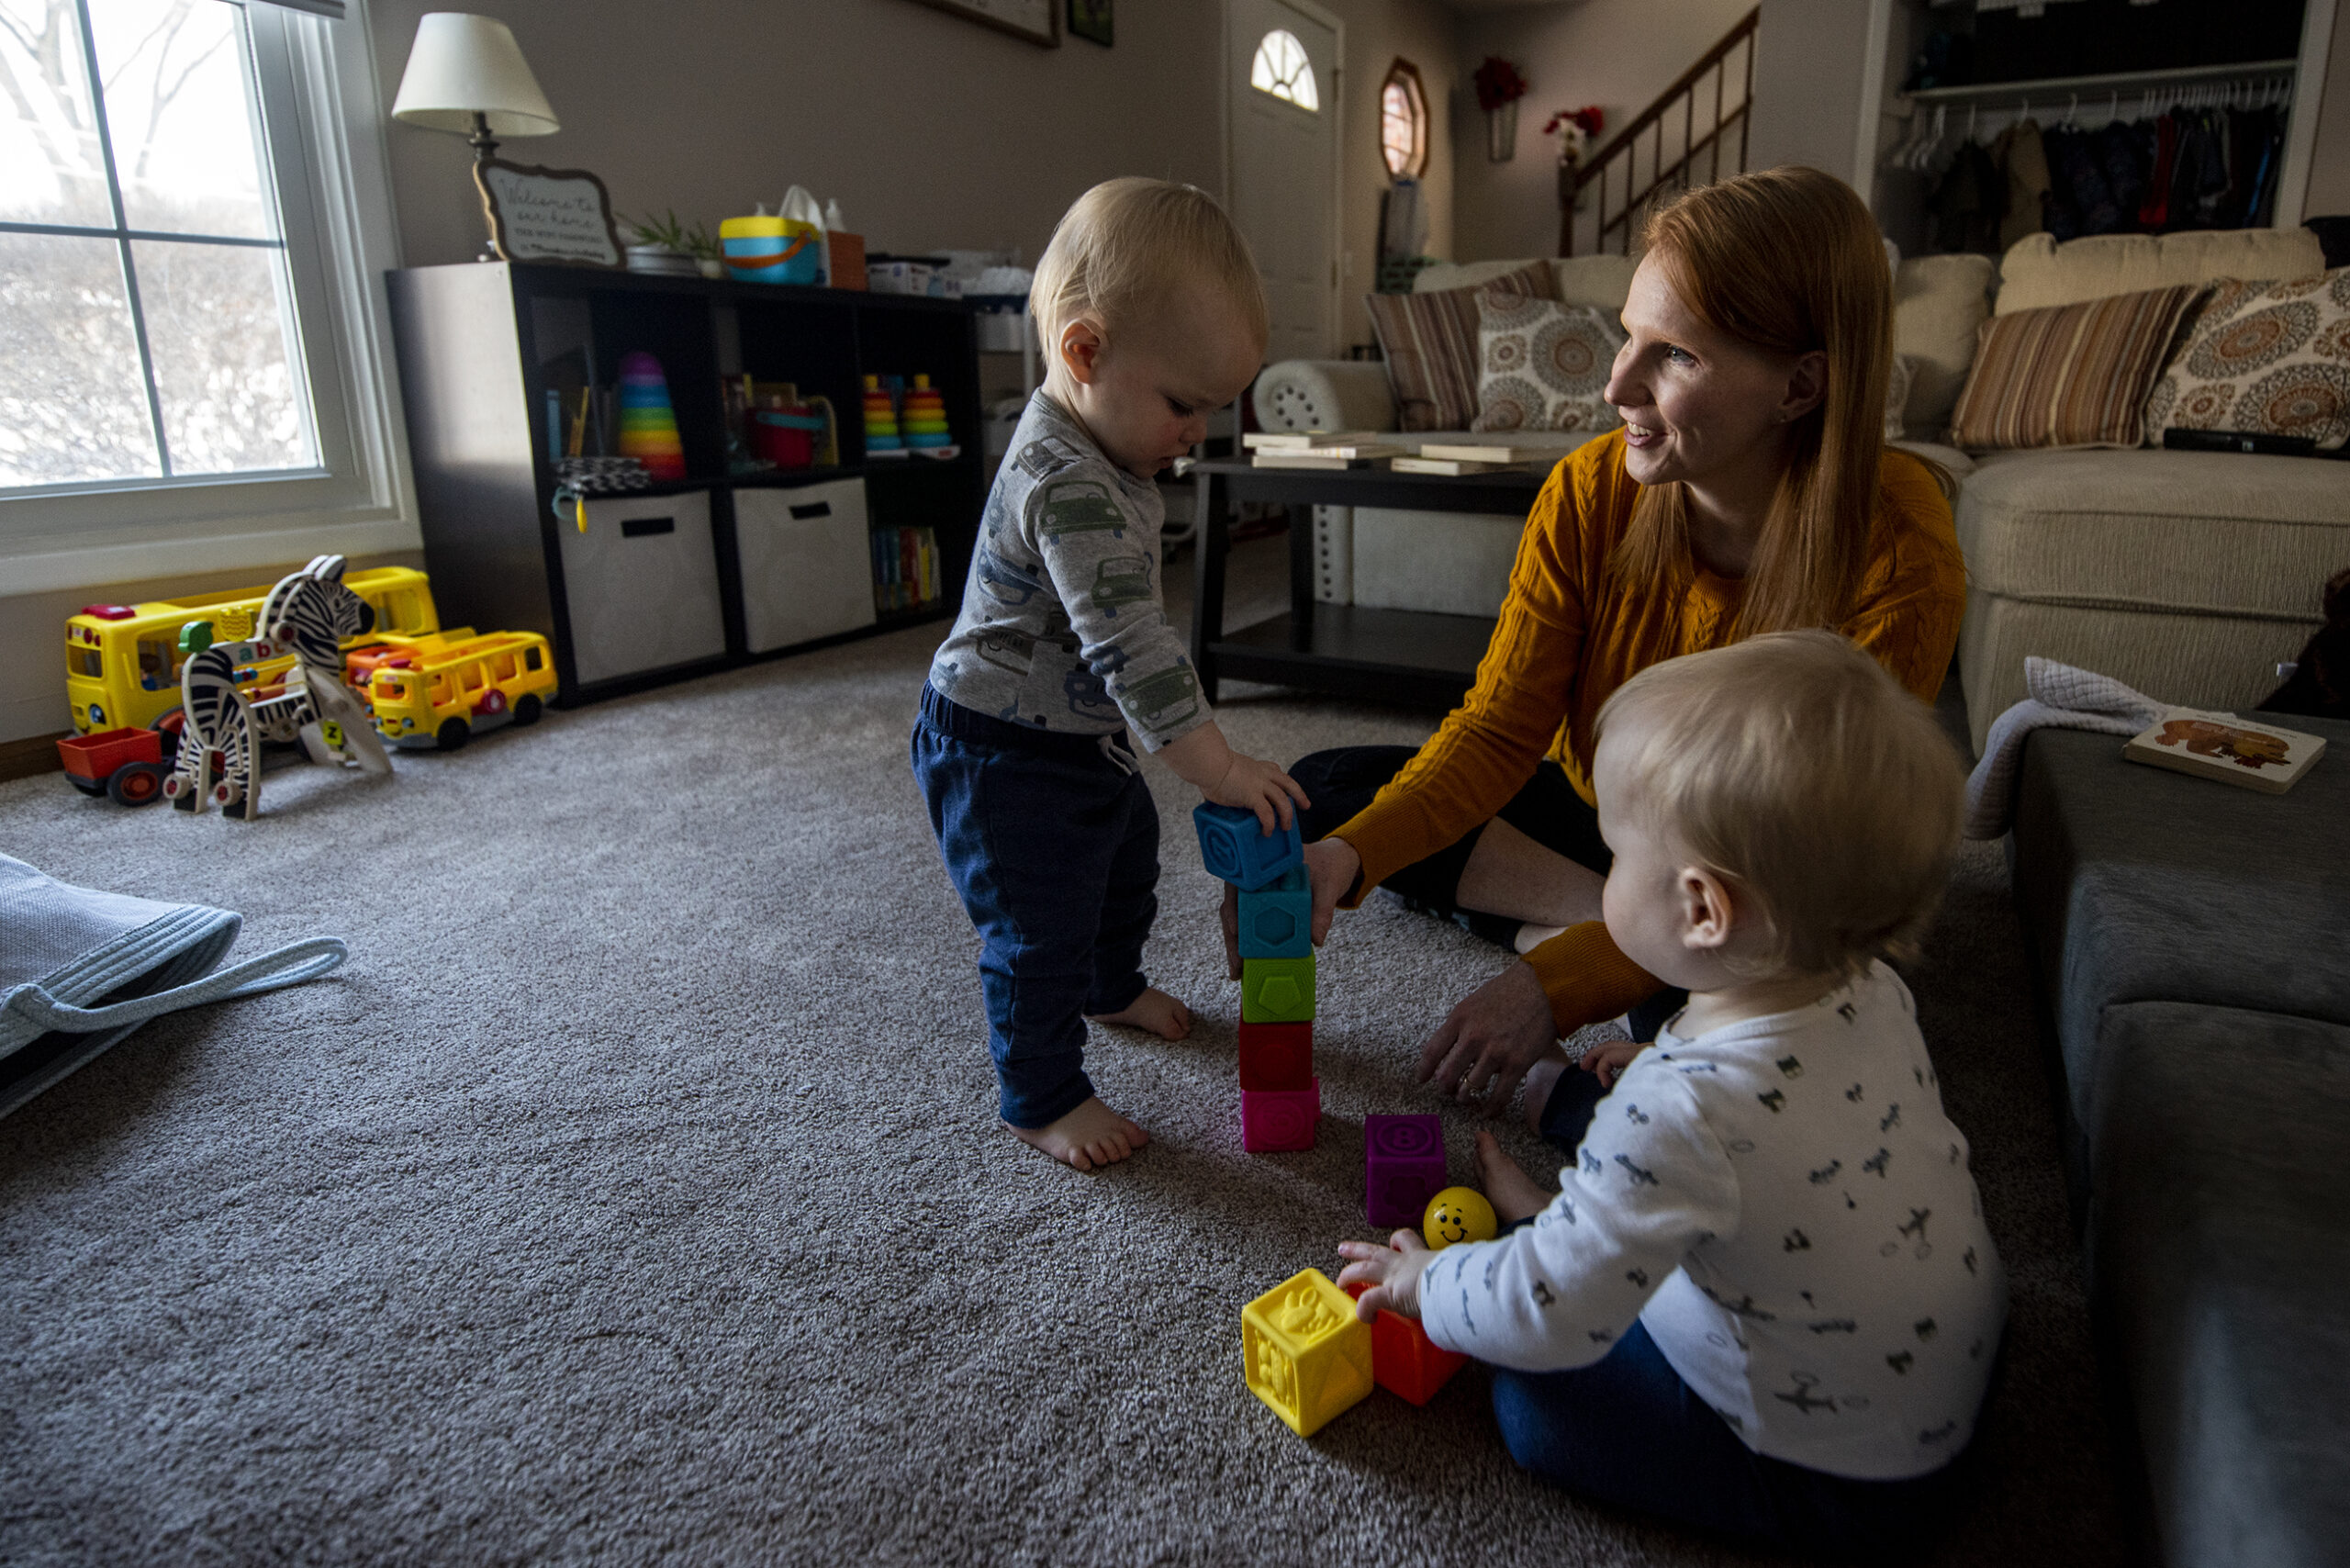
(122, 236)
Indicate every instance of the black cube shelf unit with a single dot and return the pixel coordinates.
(479, 346)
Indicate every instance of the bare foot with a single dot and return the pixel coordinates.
(1154, 1010)
(1540, 1078)
(1514, 1193)
(1530, 937)
(1089, 1135)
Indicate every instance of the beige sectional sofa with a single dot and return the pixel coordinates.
(2188, 574)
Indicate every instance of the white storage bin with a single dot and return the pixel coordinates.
(642, 585)
(807, 563)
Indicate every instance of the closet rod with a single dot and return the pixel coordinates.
(2119, 82)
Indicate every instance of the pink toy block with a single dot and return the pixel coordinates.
(1403, 1359)
(1277, 1120)
(1403, 1166)
(1278, 1055)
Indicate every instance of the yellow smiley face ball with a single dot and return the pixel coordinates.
(1458, 1214)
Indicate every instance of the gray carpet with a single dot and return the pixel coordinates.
(635, 1195)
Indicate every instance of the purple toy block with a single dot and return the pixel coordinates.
(1274, 1120)
(1403, 1166)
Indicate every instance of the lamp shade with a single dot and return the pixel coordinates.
(464, 65)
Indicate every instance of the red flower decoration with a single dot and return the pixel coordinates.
(1498, 82)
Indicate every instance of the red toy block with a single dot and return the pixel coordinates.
(1274, 1121)
(1403, 1359)
(1275, 1056)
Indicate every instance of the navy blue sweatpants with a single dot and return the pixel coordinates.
(1053, 843)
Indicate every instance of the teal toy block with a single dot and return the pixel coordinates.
(1276, 920)
(1277, 990)
(1235, 849)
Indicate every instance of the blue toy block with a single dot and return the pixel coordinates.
(1276, 920)
(1235, 849)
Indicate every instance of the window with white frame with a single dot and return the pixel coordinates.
(189, 339)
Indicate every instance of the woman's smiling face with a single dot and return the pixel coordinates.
(1700, 406)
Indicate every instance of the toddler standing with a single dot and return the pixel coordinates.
(1763, 1300)
(1152, 315)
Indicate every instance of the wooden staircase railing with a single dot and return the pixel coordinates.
(1650, 123)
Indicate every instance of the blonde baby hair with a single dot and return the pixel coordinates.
(1124, 246)
(1795, 767)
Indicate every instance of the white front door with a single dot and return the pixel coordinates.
(1281, 86)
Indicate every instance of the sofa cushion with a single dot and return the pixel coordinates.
(1542, 365)
(2070, 375)
(1429, 339)
(2145, 530)
(1938, 303)
(2272, 358)
(2220, 1251)
(2138, 884)
(2038, 271)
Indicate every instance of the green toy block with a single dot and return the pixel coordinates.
(1277, 990)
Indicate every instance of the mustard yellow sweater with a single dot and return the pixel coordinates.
(1564, 643)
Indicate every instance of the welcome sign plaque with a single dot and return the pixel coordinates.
(548, 215)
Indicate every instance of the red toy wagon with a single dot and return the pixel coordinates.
(126, 765)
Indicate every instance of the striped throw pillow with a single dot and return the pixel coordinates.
(1430, 344)
(2068, 375)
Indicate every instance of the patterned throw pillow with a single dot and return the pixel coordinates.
(1542, 364)
(1430, 343)
(2068, 375)
(2265, 358)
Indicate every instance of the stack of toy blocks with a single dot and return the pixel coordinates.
(1280, 1099)
(1305, 1351)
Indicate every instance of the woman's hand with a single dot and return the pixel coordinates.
(1391, 1272)
(1331, 866)
(1495, 1033)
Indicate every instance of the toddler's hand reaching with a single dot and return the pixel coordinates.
(1255, 784)
(1391, 1272)
(1609, 1061)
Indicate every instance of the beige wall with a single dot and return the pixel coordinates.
(1378, 32)
(1808, 71)
(2328, 187)
(1618, 54)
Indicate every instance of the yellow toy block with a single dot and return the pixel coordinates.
(1304, 1352)
(1277, 990)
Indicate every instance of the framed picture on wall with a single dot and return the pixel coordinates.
(1091, 19)
(1038, 21)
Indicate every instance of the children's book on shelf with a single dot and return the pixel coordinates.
(906, 569)
(2230, 749)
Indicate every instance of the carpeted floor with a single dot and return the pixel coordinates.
(634, 1193)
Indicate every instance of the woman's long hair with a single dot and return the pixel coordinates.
(1789, 260)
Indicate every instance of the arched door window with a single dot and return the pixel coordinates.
(1404, 121)
(1281, 69)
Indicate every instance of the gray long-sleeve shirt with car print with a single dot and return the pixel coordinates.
(1062, 627)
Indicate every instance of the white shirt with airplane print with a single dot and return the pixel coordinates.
(1786, 1208)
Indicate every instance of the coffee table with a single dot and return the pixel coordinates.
(1415, 658)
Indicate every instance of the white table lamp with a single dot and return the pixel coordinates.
(467, 74)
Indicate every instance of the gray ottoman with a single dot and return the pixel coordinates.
(2194, 944)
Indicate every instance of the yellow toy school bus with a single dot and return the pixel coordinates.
(440, 692)
(122, 661)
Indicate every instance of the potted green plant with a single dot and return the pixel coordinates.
(664, 244)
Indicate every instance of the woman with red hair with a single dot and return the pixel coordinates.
(1749, 490)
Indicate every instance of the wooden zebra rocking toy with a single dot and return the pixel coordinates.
(308, 615)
